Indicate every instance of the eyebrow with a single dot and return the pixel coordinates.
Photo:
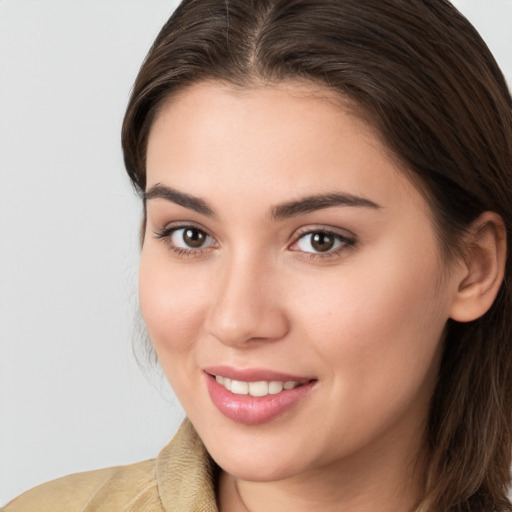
(160, 191)
(282, 211)
(318, 202)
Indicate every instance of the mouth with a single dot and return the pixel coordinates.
(255, 396)
(258, 388)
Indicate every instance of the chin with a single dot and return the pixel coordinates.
(261, 460)
(269, 470)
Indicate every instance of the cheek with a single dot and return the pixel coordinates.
(398, 331)
(171, 302)
(399, 300)
(378, 329)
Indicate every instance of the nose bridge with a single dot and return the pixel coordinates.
(244, 307)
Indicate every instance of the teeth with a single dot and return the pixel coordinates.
(261, 388)
(275, 387)
(258, 388)
(239, 387)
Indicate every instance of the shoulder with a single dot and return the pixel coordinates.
(123, 488)
(181, 479)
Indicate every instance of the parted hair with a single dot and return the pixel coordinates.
(420, 74)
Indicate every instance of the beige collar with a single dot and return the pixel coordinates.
(186, 473)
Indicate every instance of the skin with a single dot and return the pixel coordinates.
(365, 320)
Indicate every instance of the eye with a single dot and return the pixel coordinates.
(186, 240)
(321, 242)
(190, 238)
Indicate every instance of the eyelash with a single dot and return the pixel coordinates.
(166, 236)
(345, 242)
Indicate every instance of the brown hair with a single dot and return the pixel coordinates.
(421, 75)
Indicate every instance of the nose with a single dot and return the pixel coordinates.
(246, 304)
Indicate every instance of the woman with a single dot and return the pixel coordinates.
(324, 270)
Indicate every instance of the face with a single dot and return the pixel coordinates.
(290, 280)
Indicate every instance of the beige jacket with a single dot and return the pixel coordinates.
(180, 479)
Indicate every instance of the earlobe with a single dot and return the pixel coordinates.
(484, 267)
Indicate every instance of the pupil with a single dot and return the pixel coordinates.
(322, 242)
(194, 238)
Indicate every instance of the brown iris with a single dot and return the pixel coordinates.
(194, 237)
(322, 242)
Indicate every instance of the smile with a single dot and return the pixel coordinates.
(255, 396)
(260, 388)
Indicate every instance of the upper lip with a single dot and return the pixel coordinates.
(254, 374)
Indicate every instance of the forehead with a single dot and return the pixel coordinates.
(292, 138)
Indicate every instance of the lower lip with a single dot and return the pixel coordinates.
(252, 410)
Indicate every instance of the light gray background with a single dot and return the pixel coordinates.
(71, 395)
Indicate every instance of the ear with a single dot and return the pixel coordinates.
(483, 268)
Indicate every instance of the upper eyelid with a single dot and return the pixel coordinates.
(176, 225)
(344, 233)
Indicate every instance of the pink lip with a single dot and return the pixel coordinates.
(251, 410)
